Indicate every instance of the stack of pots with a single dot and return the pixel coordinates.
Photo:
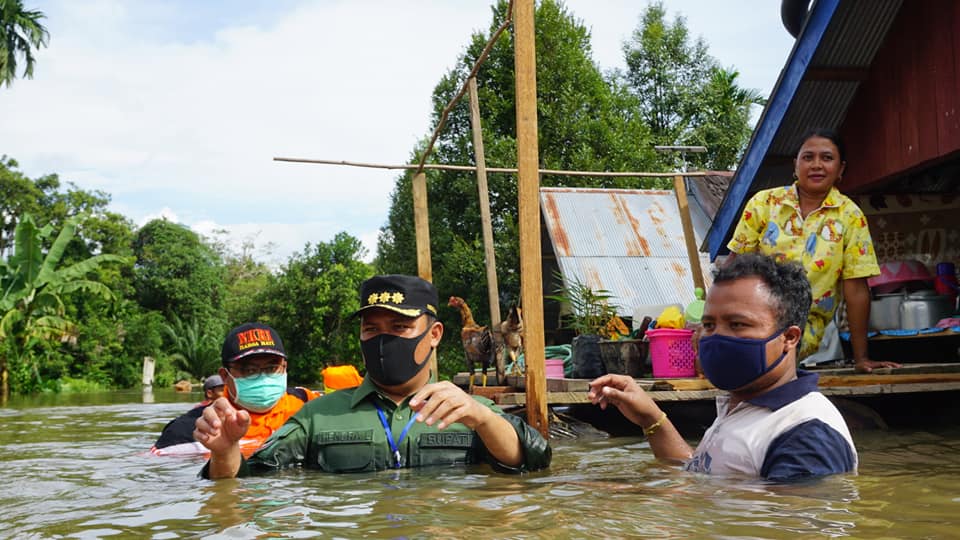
(904, 297)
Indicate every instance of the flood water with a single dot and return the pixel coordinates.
(75, 467)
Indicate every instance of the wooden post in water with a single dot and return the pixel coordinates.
(528, 188)
(690, 239)
(421, 224)
(493, 291)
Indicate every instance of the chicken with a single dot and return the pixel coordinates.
(511, 330)
(478, 343)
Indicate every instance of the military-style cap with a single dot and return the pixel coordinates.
(406, 295)
(251, 338)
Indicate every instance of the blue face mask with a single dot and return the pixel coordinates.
(261, 392)
(731, 362)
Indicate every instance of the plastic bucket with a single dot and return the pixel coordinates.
(554, 368)
(671, 353)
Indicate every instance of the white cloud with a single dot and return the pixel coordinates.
(185, 122)
(164, 213)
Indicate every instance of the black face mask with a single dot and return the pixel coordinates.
(389, 359)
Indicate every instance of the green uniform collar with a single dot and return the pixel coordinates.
(368, 388)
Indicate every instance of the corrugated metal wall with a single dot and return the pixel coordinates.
(628, 242)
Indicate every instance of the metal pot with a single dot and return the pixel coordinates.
(885, 311)
(919, 311)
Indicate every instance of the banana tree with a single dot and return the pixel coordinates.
(32, 286)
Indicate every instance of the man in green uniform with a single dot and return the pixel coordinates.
(395, 418)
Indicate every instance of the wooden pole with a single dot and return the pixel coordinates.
(508, 170)
(493, 290)
(528, 187)
(421, 224)
(689, 238)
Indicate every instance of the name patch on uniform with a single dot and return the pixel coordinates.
(335, 437)
(446, 440)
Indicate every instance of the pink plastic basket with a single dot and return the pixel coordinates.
(671, 353)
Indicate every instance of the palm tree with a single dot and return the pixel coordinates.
(20, 34)
(722, 119)
(31, 290)
(194, 350)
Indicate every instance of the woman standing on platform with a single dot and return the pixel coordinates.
(812, 223)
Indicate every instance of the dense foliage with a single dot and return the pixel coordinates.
(310, 303)
(87, 295)
(685, 97)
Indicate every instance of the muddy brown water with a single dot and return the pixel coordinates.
(75, 467)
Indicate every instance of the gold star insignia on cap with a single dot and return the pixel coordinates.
(398, 298)
(385, 297)
(372, 299)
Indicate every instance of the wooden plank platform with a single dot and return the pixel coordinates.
(912, 378)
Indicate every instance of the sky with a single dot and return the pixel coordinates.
(177, 108)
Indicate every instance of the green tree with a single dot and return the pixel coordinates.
(46, 199)
(102, 353)
(20, 35)
(142, 335)
(722, 120)
(19, 195)
(310, 303)
(195, 352)
(33, 285)
(177, 273)
(586, 121)
(244, 276)
(685, 96)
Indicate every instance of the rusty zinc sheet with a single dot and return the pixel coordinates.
(628, 242)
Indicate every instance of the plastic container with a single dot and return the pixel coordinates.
(946, 281)
(694, 311)
(554, 368)
(671, 353)
(624, 356)
(896, 274)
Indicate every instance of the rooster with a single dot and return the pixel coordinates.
(478, 343)
(511, 331)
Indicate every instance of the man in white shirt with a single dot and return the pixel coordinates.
(773, 423)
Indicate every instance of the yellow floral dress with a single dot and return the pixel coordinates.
(833, 243)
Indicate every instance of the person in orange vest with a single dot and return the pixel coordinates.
(254, 373)
(340, 377)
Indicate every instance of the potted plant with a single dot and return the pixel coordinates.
(588, 312)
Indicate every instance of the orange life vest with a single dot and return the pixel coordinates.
(262, 425)
(340, 377)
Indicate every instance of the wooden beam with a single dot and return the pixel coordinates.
(833, 381)
(845, 74)
(471, 168)
(493, 290)
(572, 398)
(690, 240)
(893, 388)
(528, 189)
